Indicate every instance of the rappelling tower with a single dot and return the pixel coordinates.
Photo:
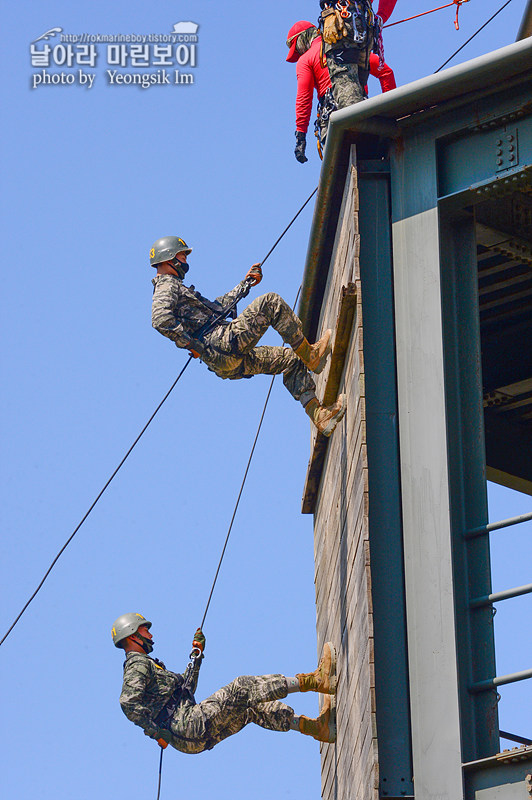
(420, 259)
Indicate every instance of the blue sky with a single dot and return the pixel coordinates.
(91, 178)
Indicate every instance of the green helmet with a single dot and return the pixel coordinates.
(127, 625)
(165, 249)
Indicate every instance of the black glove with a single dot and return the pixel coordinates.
(301, 143)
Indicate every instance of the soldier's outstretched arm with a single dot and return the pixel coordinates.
(198, 644)
(241, 288)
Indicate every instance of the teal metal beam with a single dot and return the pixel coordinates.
(467, 480)
(385, 528)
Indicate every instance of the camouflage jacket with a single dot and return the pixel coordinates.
(178, 311)
(149, 687)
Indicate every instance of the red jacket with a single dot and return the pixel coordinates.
(385, 9)
(312, 75)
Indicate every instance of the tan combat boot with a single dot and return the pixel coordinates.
(323, 729)
(323, 679)
(326, 418)
(315, 355)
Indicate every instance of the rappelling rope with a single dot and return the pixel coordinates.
(473, 36)
(242, 486)
(76, 529)
(160, 775)
(456, 3)
(259, 426)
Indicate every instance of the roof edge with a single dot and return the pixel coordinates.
(379, 115)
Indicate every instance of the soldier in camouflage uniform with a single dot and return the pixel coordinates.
(228, 347)
(349, 30)
(162, 702)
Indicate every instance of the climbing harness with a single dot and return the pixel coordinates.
(227, 311)
(378, 43)
(362, 19)
(326, 106)
(166, 396)
(456, 3)
(183, 692)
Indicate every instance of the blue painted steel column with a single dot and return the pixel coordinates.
(467, 480)
(385, 528)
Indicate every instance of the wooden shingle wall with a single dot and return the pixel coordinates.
(342, 569)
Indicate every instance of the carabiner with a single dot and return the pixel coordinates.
(342, 7)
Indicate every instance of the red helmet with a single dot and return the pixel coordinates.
(291, 39)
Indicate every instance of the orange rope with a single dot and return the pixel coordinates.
(456, 3)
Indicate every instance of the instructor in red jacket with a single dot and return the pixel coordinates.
(348, 85)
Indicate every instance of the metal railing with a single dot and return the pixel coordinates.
(495, 526)
(486, 600)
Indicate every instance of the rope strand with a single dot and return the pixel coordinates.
(76, 529)
(160, 774)
(472, 37)
(243, 483)
(423, 13)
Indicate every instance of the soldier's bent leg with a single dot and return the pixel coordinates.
(274, 716)
(229, 709)
(274, 360)
(268, 310)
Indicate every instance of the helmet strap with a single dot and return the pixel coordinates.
(145, 643)
(180, 267)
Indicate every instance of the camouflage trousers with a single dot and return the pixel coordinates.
(349, 71)
(231, 352)
(250, 698)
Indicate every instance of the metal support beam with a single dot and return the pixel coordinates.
(514, 737)
(435, 715)
(467, 479)
(385, 529)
